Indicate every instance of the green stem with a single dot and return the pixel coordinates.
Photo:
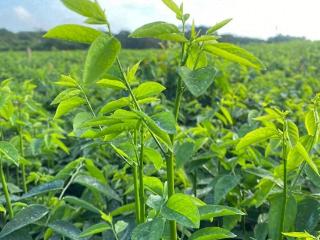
(23, 167)
(114, 232)
(141, 184)
(136, 181)
(6, 191)
(74, 175)
(194, 187)
(170, 158)
(285, 187)
(136, 193)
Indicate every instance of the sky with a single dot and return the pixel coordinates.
(251, 18)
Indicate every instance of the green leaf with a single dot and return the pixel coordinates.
(310, 123)
(74, 33)
(299, 235)
(154, 128)
(131, 73)
(219, 25)
(86, 8)
(154, 184)
(183, 153)
(211, 211)
(95, 229)
(112, 83)
(9, 152)
(114, 105)
(223, 186)
(65, 229)
(68, 105)
(275, 215)
(159, 30)
(65, 95)
(153, 156)
(197, 58)
(305, 156)
(67, 170)
(150, 230)
(120, 226)
(77, 202)
(233, 53)
(21, 234)
(256, 136)
(95, 171)
(101, 55)
(148, 89)
(67, 81)
(124, 209)
(198, 81)
(211, 233)
(181, 208)
(44, 188)
(118, 128)
(25, 217)
(308, 215)
(93, 184)
(174, 7)
(293, 133)
(165, 121)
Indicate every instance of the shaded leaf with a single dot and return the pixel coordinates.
(25, 217)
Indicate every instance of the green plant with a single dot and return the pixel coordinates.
(194, 74)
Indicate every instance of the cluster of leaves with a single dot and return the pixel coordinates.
(240, 166)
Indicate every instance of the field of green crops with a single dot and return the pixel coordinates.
(198, 140)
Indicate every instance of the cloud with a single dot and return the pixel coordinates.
(23, 14)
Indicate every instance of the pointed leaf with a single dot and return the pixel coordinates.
(212, 211)
(150, 230)
(25, 217)
(95, 229)
(44, 188)
(9, 152)
(211, 233)
(65, 229)
(257, 136)
(101, 55)
(219, 25)
(74, 33)
(233, 53)
(68, 105)
(159, 30)
(148, 89)
(199, 80)
(182, 209)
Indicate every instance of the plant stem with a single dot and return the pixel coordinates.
(6, 191)
(136, 182)
(285, 187)
(194, 187)
(136, 193)
(141, 184)
(23, 167)
(170, 158)
(74, 175)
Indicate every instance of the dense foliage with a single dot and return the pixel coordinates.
(159, 144)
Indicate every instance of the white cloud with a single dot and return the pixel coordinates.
(22, 13)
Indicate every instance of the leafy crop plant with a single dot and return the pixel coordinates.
(138, 130)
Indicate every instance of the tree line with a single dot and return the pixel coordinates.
(28, 39)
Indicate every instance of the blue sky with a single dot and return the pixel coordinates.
(254, 18)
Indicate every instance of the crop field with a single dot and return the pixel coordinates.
(198, 139)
